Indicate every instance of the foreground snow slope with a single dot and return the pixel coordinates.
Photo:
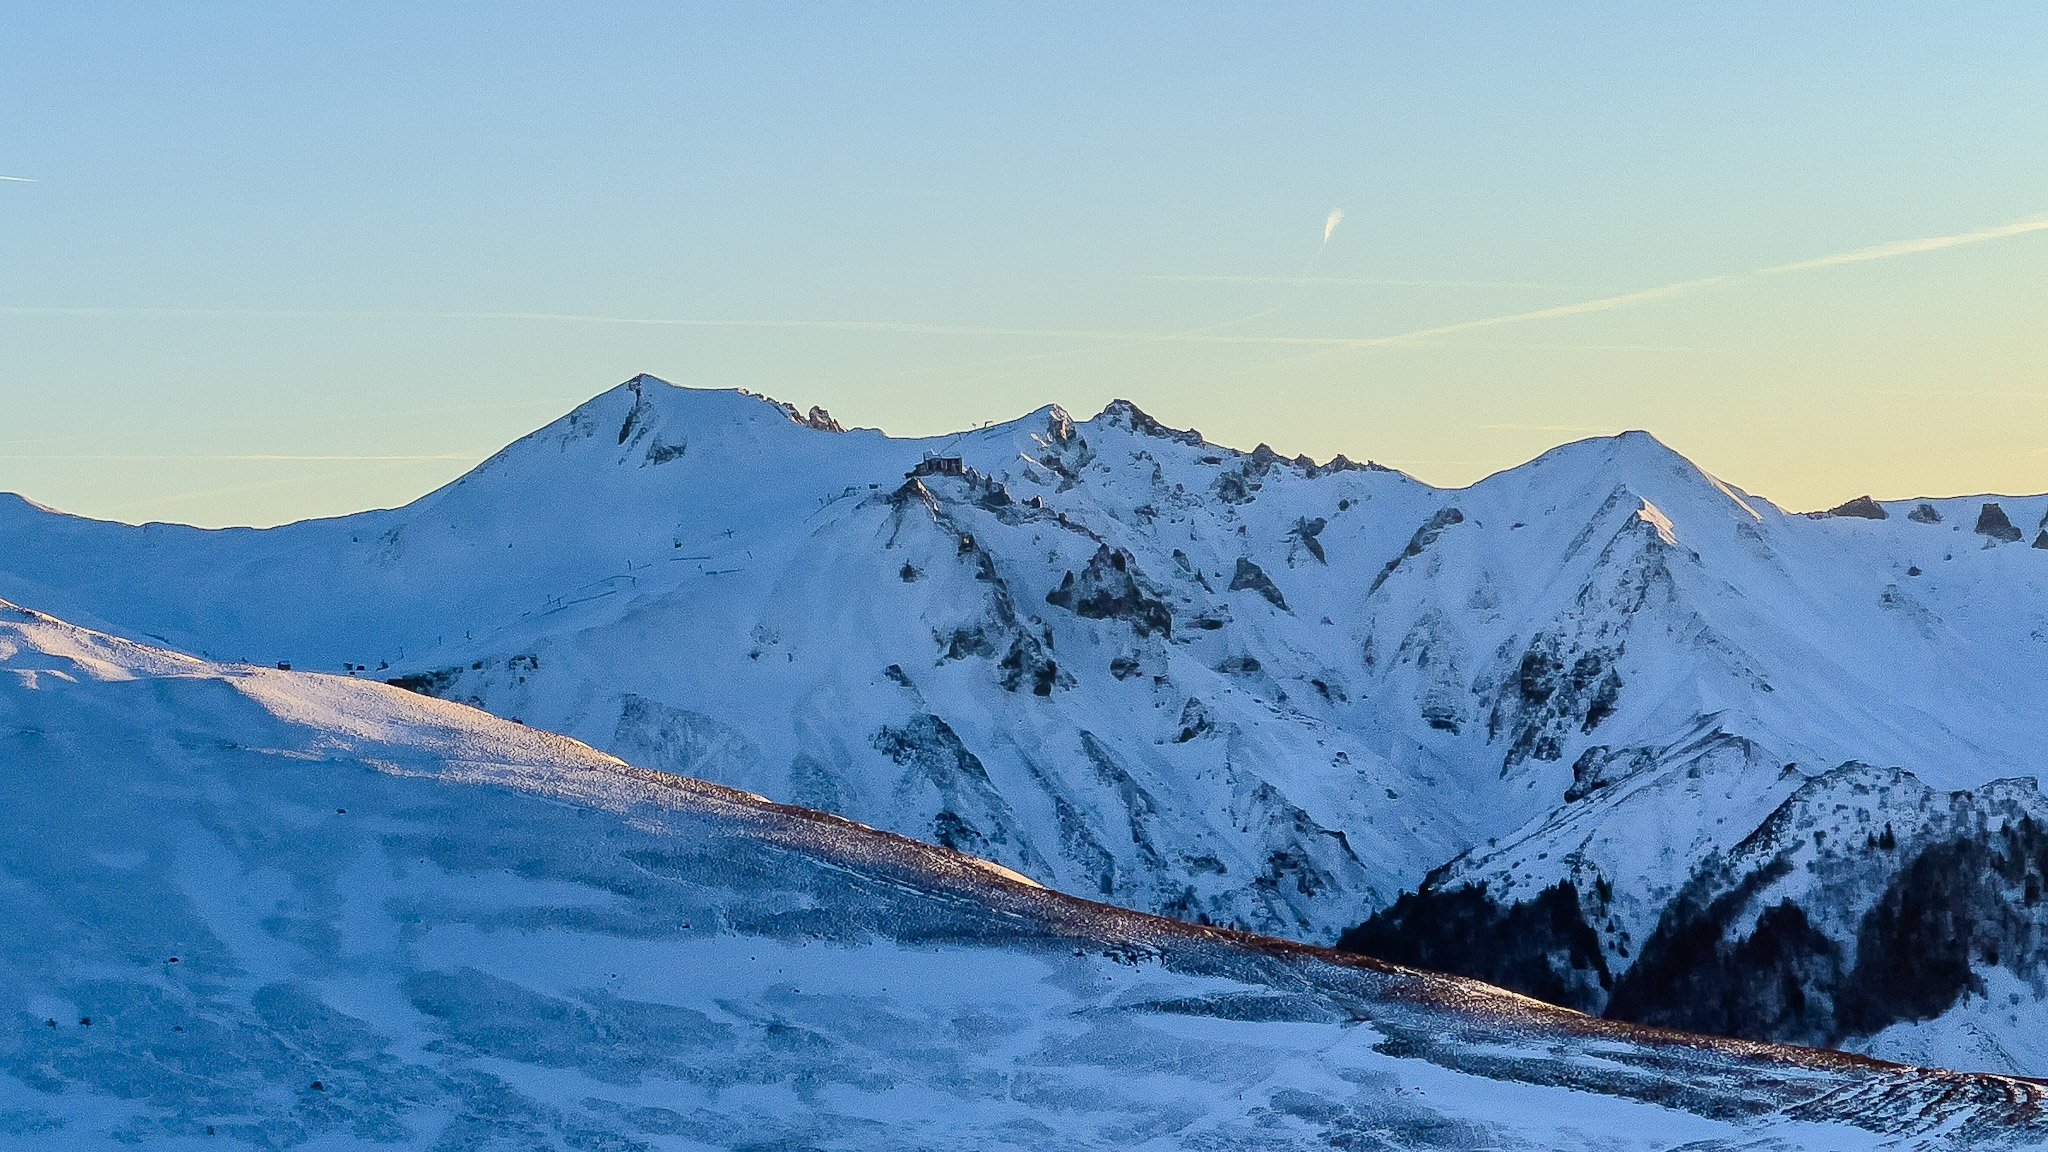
(1240, 689)
(282, 909)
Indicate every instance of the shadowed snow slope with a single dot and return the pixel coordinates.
(1239, 689)
(282, 909)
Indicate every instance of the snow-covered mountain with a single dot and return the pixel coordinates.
(281, 910)
(1236, 688)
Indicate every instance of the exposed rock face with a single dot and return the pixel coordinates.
(1992, 522)
(1343, 463)
(1109, 589)
(1029, 663)
(1924, 514)
(1555, 691)
(816, 418)
(1138, 421)
(933, 757)
(1423, 538)
(1304, 533)
(1251, 576)
(1862, 507)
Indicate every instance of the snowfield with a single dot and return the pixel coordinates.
(1601, 727)
(247, 906)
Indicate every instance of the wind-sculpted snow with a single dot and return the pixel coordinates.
(1226, 686)
(250, 907)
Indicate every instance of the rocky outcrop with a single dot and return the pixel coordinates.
(1993, 523)
(816, 418)
(1062, 450)
(1555, 691)
(1251, 576)
(1304, 534)
(1111, 588)
(1130, 415)
(971, 816)
(1029, 664)
(1862, 508)
(1424, 536)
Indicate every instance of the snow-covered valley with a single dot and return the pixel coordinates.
(1647, 712)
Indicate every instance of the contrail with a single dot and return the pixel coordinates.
(21, 179)
(1204, 335)
(1335, 218)
(1361, 281)
(1584, 306)
(1909, 247)
(1856, 256)
(885, 326)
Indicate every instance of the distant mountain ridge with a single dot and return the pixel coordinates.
(1618, 693)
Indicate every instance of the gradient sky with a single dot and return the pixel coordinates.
(267, 261)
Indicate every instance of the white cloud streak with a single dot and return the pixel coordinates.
(1364, 282)
(21, 179)
(285, 457)
(1192, 336)
(1603, 304)
(1665, 291)
(1912, 247)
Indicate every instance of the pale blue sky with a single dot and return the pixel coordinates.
(251, 239)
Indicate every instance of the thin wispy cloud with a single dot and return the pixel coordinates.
(1665, 291)
(1363, 282)
(159, 500)
(1205, 335)
(1191, 336)
(21, 179)
(1965, 393)
(1514, 427)
(288, 457)
(1331, 221)
(1911, 247)
(885, 326)
(1581, 308)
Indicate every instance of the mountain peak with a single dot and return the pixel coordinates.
(1124, 414)
(1634, 459)
(1634, 448)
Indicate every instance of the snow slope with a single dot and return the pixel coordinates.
(281, 909)
(1220, 685)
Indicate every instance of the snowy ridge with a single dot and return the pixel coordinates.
(285, 909)
(1129, 664)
